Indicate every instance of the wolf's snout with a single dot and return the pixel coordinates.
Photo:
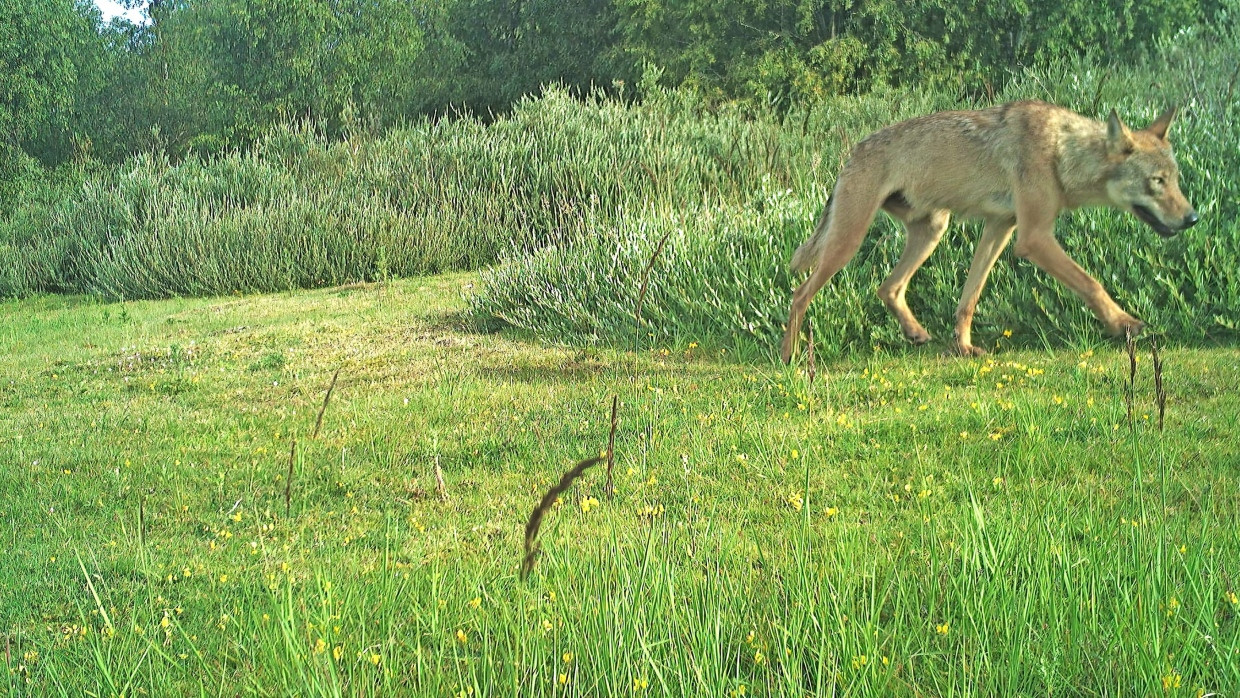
(1190, 220)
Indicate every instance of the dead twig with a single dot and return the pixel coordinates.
(443, 489)
(1231, 84)
(641, 295)
(1130, 343)
(535, 522)
(318, 423)
(811, 366)
(1093, 107)
(288, 482)
(1160, 395)
(609, 488)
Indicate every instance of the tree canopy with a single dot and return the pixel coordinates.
(208, 75)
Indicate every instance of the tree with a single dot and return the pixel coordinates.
(511, 48)
(45, 49)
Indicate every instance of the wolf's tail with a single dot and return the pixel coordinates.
(810, 251)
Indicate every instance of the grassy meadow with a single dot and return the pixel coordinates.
(907, 524)
(184, 513)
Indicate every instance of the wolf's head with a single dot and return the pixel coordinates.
(1145, 178)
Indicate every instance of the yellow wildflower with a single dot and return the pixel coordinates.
(795, 500)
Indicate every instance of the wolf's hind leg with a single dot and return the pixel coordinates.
(994, 238)
(924, 234)
(845, 229)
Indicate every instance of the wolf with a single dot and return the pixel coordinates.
(1015, 166)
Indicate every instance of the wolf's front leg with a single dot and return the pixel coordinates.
(1045, 252)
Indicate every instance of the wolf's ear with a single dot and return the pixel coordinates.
(1162, 123)
(1119, 138)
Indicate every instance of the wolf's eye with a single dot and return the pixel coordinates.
(1158, 181)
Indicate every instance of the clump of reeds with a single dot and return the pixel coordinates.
(610, 488)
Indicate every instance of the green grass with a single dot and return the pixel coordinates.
(906, 524)
(909, 525)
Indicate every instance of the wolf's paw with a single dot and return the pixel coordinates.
(1124, 326)
(786, 348)
(911, 329)
(968, 350)
(918, 336)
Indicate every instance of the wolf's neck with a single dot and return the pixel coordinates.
(1084, 166)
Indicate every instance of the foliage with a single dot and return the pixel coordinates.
(302, 210)
(38, 45)
(590, 187)
(208, 77)
(49, 55)
(792, 50)
(217, 75)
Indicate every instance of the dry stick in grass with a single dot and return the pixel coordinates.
(813, 369)
(1130, 343)
(1093, 107)
(637, 329)
(1160, 395)
(288, 482)
(443, 489)
(318, 423)
(532, 526)
(641, 295)
(654, 179)
(610, 488)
